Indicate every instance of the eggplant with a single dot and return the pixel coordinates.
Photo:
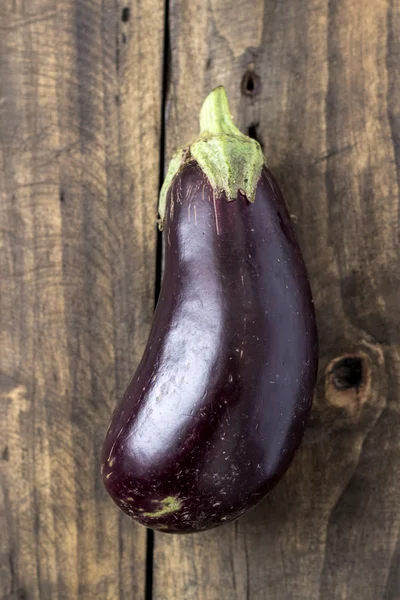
(218, 406)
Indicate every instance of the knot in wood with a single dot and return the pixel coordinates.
(348, 383)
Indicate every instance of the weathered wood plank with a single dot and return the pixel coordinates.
(80, 108)
(321, 95)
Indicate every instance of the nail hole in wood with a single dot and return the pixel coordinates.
(251, 84)
(252, 131)
(126, 13)
(348, 373)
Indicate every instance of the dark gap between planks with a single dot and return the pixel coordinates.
(159, 257)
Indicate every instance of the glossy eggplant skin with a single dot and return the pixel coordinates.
(218, 405)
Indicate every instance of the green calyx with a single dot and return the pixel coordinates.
(231, 160)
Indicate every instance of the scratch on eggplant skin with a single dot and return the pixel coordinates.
(179, 193)
(215, 213)
(169, 505)
(113, 446)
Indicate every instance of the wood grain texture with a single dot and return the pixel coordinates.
(317, 82)
(323, 101)
(80, 112)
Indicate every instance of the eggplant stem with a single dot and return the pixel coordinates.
(215, 116)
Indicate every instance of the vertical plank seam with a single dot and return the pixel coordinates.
(164, 95)
(391, 94)
(159, 254)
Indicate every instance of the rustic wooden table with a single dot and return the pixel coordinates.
(94, 97)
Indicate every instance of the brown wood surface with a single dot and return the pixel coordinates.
(79, 171)
(318, 83)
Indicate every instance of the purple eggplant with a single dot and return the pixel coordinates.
(218, 406)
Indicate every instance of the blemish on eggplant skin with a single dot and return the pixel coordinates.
(169, 505)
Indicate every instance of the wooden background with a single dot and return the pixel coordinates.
(94, 97)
